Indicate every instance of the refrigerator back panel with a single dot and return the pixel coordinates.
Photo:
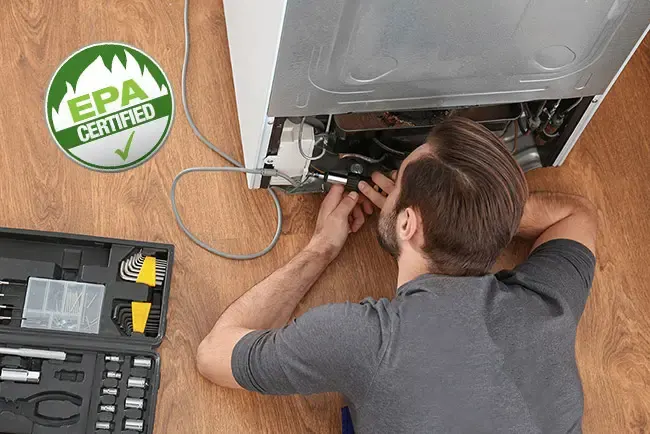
(366, 55)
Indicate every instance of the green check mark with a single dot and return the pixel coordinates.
(124, 153)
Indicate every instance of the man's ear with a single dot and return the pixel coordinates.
(407, 224)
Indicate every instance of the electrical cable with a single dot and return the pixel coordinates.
(238, 167)
(505, 130)
(540, 109)
(571, 107)
(362, 158)
(514, 146)
(309, 120)
(388, 149)
(550, 113)
(559, 117)
(527, 110)
(321, 171)
(320, 140)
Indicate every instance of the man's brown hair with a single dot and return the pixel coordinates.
(470, 194)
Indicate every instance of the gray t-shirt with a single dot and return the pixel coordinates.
(447, 354)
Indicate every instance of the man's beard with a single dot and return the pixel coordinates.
(387, 233)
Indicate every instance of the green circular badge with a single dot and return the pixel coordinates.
(109, 107)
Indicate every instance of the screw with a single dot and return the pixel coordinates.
(356, 168)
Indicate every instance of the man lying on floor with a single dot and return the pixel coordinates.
(458, 349)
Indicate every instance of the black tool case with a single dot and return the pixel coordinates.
(69, 393)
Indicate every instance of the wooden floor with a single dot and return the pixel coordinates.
(42, 189)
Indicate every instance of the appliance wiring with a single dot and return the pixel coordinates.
(363, 158)
(237, 168)
(389, 149)
(319, 141)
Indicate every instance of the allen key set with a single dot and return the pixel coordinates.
(80, 320)
(133, 267)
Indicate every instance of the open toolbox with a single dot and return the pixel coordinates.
(80, 318)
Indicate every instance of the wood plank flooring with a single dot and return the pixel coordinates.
(42, 189)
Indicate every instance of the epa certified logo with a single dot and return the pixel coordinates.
(109, 107)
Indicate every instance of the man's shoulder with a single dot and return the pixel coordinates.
(560, 270)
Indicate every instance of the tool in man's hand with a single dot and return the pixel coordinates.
(29, 408)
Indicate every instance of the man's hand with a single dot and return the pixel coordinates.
(270, 303)
(386, 184)
(339, 215)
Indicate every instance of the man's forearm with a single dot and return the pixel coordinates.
(270, 303)
(557, 215)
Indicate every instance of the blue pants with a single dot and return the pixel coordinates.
(346, 421)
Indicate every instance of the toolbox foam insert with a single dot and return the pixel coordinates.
(23, 269)
(49, 383)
